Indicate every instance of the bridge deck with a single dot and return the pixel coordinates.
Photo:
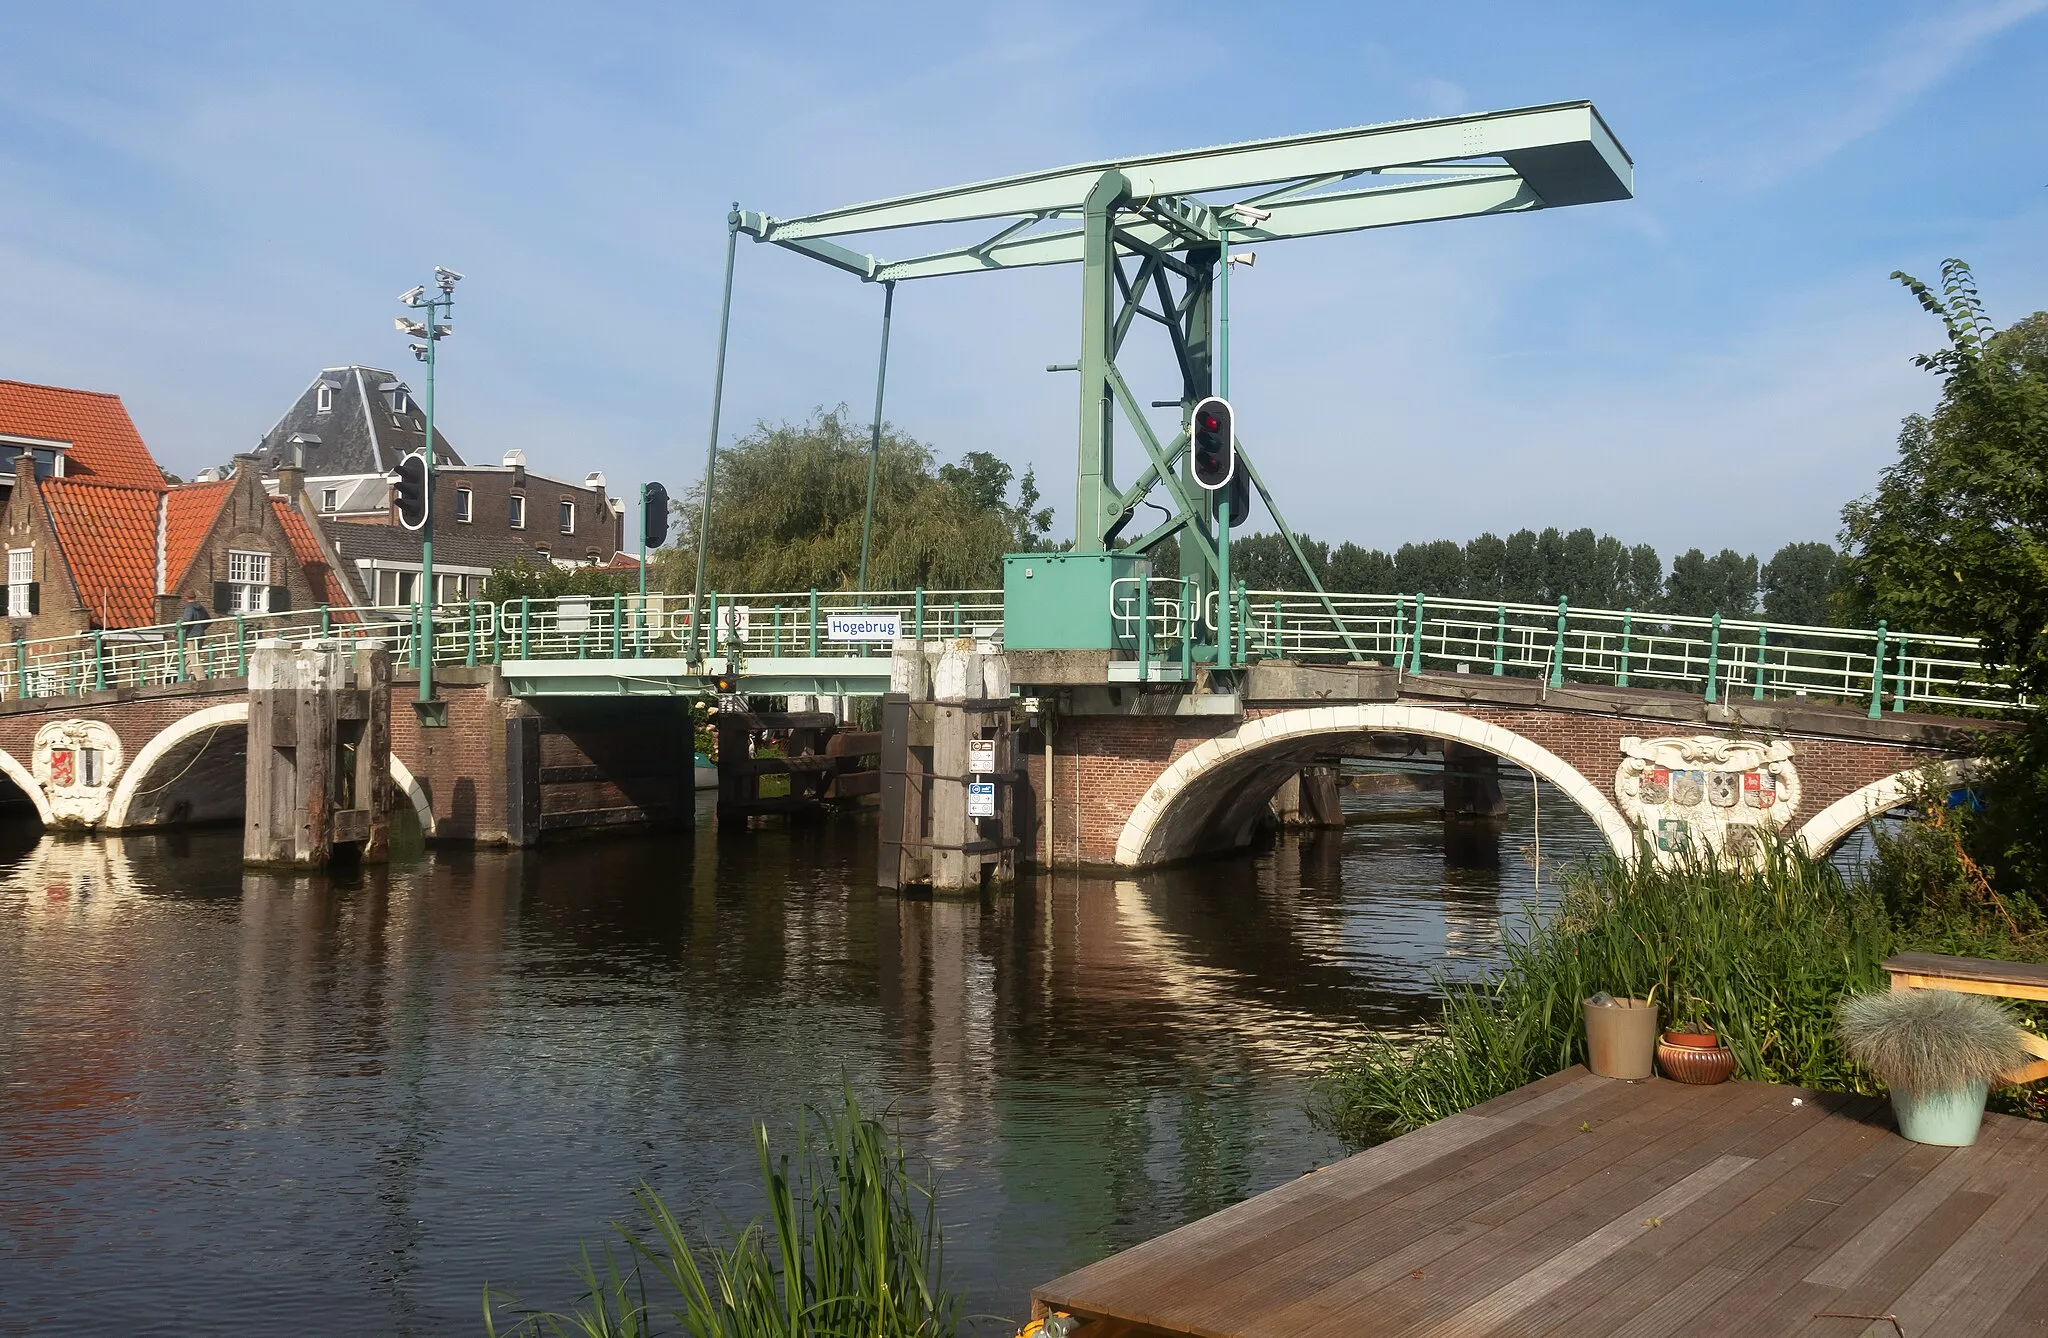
(1583, 1206)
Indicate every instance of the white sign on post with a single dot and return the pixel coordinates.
(863, 626)
(981, 756)
(981, 799)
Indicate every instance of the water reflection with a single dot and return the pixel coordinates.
(343, 1103)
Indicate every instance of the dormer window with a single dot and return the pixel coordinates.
(568, 517)
(400, 402)
(462, 506)
(516, 515)
(330, 499)
(323, 399)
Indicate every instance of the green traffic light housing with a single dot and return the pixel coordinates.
(1212, 428)
(409, 491)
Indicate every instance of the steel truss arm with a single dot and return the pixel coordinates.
(1563, 150)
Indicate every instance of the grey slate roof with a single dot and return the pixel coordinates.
(364, 432)
(452, 547)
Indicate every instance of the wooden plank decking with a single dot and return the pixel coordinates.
(1581, 1206)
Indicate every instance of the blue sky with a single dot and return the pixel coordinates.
(202, 204)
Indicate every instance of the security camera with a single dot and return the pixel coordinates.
(446, 275)
(1246, 211)
(419, 351)
(407, 327)
(413, 294)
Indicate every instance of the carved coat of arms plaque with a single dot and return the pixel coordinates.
(1706, 791)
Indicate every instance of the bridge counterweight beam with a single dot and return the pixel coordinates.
(1096, 507)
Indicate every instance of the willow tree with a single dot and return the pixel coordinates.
(789, 501)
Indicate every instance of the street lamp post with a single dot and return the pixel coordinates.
(431, 332)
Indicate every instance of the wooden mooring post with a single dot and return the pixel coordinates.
(319, 762)
(949, 770)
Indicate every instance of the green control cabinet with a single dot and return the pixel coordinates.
(1064, 601)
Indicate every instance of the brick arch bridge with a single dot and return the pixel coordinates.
(501, 772)
(1133, 786)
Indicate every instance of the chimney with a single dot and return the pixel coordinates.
(291, 481)
(516, 462)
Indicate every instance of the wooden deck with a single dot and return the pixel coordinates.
(1582, 1206)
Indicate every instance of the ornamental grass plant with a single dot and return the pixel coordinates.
(1923, 1041)
(849, 1244)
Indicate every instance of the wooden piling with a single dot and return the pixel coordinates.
(319, 754)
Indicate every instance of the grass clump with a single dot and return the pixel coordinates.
(850, 1245)
(1761, 955)
(1931, 1040)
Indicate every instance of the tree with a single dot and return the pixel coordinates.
(1361, 571)
(790, 499)
(1641, 583)
(1799, 584)
(1955, 537)
(545, 580)
(1436, 568)
(1701, 586)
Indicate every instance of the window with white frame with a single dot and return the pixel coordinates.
(330, 499)
(517, 515)
(248, 582)
(462, 504)
(568, 517)
(21, 576)
(323, 399)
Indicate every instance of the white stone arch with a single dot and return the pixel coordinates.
(1824, 830)
(1218, 782)
(167, 738)
(232, 713)
(409, 786)
(26, 783)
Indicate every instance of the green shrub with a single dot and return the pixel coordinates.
(850, 1245)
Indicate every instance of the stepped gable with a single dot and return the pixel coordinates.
(103, 445)
(189, 512)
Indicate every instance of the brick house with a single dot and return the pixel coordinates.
(95, 537)
(349, 429)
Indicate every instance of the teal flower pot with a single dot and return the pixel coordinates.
(1947, 1119)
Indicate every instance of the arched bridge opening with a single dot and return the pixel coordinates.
(1213, 797)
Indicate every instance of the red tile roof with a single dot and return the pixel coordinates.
(105, 447)
(109, 538)
(326, 584)
(191, 510)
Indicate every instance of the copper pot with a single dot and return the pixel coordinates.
(1699, 1064)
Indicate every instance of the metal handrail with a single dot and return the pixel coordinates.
(1721, 658)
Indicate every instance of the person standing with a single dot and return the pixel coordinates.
(194, 611)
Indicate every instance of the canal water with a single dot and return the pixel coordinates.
(344, 1105)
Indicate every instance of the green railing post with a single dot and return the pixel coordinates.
(1627, 626)
(1187, 633)
(1714, 659)
(1500, 638)
(711, 626)
(814, 623)
(1397, 650)
(1280, 629)
(1877, 674)
(181, 653)
(1763, 641)
(917, 617)
(1144, 637)
(1557, 649)
(1900, 680)
(618, 624)
(525, 627)
(99, 659)
(1415, 645)
(241, 646)
(326, 622)
(470, 657)
(20, 669)
(1244, 606)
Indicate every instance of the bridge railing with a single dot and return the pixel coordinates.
(778, 624)
(185, 652)
(1720, 658)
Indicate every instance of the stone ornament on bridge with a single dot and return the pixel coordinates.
(1706, 791)
(76, 762)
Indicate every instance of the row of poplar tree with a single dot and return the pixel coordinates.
(1799, 584)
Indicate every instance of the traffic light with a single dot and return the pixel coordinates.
(1214, 448)
(653, 514)
(409, 491)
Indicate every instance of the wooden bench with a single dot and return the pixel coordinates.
(1979, 975)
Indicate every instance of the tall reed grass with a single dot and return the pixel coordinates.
(849, 1245)
(1761, 955)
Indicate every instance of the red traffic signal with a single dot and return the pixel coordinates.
(1212, 436)
(409, 491)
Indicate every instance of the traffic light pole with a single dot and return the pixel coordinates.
(867, 526)
(425, 632)
(1223, 641)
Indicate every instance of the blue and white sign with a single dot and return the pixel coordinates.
(981, 799)
(863, 626)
